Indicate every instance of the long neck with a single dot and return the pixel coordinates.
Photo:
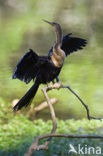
(58, 36)
(58, 56)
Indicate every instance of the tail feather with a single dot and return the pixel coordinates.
(27, 98)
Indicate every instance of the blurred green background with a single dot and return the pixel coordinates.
(21, 28)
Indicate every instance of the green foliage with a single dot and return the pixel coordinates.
(18, 134)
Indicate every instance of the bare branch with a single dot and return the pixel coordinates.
(86, 107)
(35, 145)
(59, 86)
(51, 109)
(42, 106)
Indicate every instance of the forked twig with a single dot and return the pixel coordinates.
(34, 146)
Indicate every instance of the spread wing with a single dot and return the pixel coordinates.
(71, 44)
(27, 67)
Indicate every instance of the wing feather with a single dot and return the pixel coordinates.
(72, 44)
(27, 67)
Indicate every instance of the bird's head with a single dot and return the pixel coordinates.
(58, 31)
(54, 24)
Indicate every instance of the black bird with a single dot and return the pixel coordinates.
(45, 69)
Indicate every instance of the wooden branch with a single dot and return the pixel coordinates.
(51, 109)
(35, 145)
(86, 107)
(42, 106)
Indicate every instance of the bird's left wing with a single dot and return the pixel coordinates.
(72, 44)
(27, 67)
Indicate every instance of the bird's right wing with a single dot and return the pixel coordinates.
(72, 44)
(27, 67)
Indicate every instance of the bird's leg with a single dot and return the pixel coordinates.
(57, 79)
(49, 85)
(58, 84)
(53, 81)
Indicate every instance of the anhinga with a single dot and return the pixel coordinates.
(45, 69)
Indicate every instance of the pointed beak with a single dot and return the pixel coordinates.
(51, 23)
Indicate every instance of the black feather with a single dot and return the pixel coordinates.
(27, 67)
(72, 44)
(27, 98)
